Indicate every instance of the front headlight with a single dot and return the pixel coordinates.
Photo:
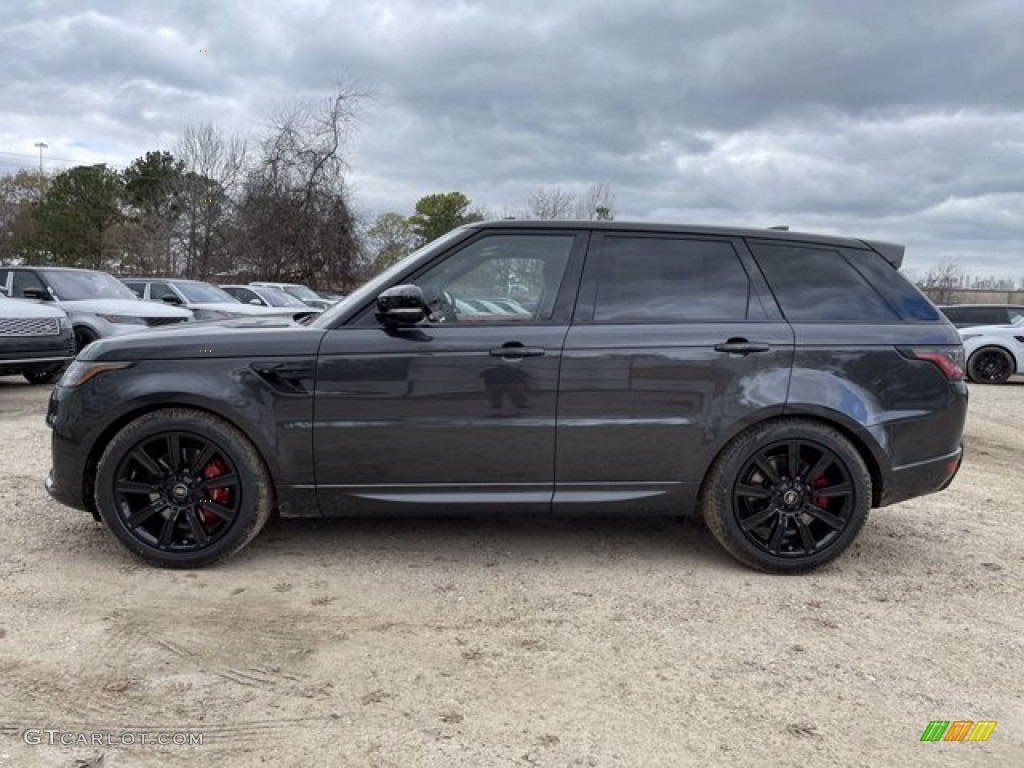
(122, 319)
(63, 324)
(81, 371)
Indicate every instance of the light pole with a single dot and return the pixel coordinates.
(42, 145)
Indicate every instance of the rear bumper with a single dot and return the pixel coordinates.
(922, 478)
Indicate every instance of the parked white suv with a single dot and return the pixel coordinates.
(35, 340)
(98, 304)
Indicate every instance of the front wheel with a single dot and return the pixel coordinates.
(990, 365)
(787, 496)
(182, 488)
(43, 375)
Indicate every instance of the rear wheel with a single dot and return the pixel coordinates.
(990, 365)
(182, 488)
(787, 496)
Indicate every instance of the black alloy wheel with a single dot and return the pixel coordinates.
(182, 488)
(177, 492)
(83, 338)
(990, 365)
(793, 498)
(787, 496)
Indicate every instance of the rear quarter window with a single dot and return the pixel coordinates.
(814, 284)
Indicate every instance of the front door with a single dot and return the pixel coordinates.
(459, 410)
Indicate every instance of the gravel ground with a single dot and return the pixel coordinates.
(483, 642)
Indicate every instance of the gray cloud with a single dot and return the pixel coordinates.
(899, 120)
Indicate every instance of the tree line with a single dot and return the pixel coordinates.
(218, 207)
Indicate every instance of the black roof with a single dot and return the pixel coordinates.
(891, 252)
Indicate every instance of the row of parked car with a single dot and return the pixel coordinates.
(47, 314)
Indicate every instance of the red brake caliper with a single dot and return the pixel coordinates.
(819, 501)
(215, 468)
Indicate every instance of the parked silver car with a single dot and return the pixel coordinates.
(97, 304)
(35, 340)
(303, 293)
(265, 296)
(207, 301)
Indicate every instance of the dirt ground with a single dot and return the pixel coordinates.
(482, 642)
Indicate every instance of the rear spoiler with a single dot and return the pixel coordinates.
(891, 252)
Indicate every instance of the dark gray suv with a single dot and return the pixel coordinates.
(781, 383)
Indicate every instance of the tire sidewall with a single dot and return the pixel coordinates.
(249, 514)
(727, 475)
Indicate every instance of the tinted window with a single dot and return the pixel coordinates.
(139, 289)
(24, 281)
(500, 278)
(670, 280)
(3, 280)
(157, 291)
(818, 285)
(894, 287)
(78, 286)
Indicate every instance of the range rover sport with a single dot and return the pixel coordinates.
(781, 384)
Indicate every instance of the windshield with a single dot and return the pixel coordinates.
(302, 292)
(79, 286)
(203, 293)
(378, 283)
(275, 297)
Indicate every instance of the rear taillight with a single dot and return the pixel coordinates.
(949, 360)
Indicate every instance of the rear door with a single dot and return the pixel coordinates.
(675, 345)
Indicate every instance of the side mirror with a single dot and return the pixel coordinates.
(36, 293)
(257, 302)
(401, 305)
(171, 299)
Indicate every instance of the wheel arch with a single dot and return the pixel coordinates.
(863, 442)
(138, 410)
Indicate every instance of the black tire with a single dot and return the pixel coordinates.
(83, 338)
(777, 520)
(138, 482)
(43, 375)
(991, 365)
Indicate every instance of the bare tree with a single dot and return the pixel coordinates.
(597, 203)
(941, 282)
(550, 203)
(295, 219)
(213, 168)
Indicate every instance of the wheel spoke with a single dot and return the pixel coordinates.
(198, 531)
(805, 536)
(223, 481)
(224, 513)
(793, 458)
(202, 459)
(134, 486)
(173, 452)
(167, 531)
(819, 467)
(764, 464)
(827, 518)
(143, 458)
(758, 518)
(140, 517)
(831, 491)
(751, 491)
(777, 533)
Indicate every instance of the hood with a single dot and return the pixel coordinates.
(129, 307)
(224, 339)
(16, 309)
(238, 308)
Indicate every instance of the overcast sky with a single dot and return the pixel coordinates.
(891, 119)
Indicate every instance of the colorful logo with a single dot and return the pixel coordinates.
(958, 730)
